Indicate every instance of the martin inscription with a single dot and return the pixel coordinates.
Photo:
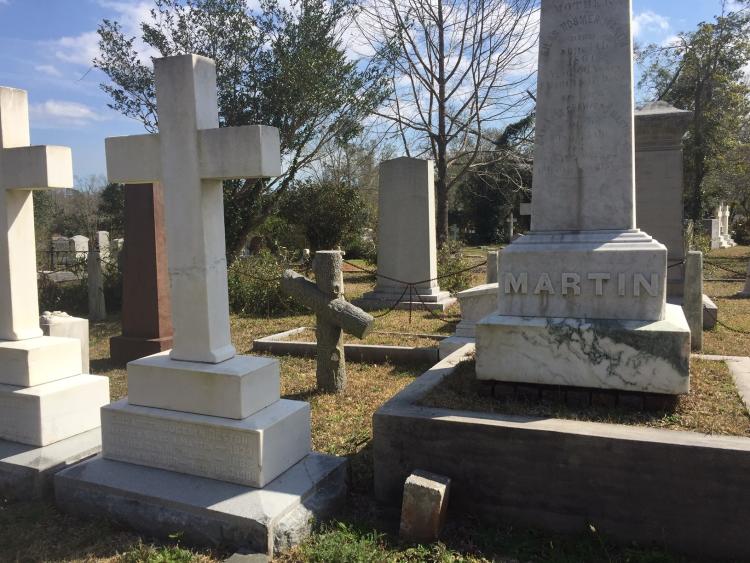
(570, 284)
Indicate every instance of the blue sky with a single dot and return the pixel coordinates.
(46, 47)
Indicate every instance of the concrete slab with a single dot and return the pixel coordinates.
(26, 471)
(206, 511)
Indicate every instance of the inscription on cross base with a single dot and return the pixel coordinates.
(190, 156)
(23, 168)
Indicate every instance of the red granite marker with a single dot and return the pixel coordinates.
(146, 309)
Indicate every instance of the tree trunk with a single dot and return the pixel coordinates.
(441, 142)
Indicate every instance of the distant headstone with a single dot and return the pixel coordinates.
(95, 281)
(407, 247)
(80, 246)
(45, 397)
(693, 298)
(493, 258)
(146, 310)
(726, 236)
(582, 297)
(659, 129)
(103, 247)
(58, 323)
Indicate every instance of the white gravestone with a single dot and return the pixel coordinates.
(200, 410)
(726, 236)
(44, 398)
(79, 246)
(582, 297)
(407, 247)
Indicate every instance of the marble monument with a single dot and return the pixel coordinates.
(49, 409)
(582, 297)
(203, 443)
(407, 247)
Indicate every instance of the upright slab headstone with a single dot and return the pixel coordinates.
(79, 246)
(582, 297)
(49, 410)
(659, 129)
(95, 283)
(146, 310)
(201, 423)
(407, 247)
(693, 298)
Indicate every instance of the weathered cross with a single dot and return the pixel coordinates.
(334, 315)
(191, 156)
(22, 169)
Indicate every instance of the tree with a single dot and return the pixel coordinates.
(329, 213)
(111, 210)
(494, 187)
(277, 66)
(703, 71)
(458, 68)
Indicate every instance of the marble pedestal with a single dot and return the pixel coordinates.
(476, 303)
(206, 511)
(626, 355)
(384, 297)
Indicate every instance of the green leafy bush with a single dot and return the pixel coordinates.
(451, 263)
(741, 231)
(255, 286)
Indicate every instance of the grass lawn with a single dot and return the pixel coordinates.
(342, 425)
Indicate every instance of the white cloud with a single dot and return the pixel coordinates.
(57, 113)
(81, 49)
(649, 21)
(49, 70)
(4, 2)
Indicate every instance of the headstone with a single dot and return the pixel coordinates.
(45, 399)
(424, 507)
(59, 323)
(61, 251)
(103, 247)
(95, 282)
(712, 227)
(146, 310)
(334, 315)
(693, 298)
(511, 222)
(746, 292)
(582, 297)
(492, 266)
(475, 304)
(203, 430)
(79, 246)
(407, 247)
(659, 129)
(725, 234)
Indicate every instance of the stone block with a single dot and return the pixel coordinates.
(587, 275)
(36, 361)
(57, 323)
(235, 388)
(476, 303)
(710, 313)
(692, 302)
(45, 414)
(206, 511)
(624, 355)
(26, 471)
(251, 452)
(424, 507)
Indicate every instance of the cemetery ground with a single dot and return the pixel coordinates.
(342, 425)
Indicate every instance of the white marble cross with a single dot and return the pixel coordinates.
(22, 169)
(190, 156)
(511, 225)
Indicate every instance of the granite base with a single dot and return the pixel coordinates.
(205, 511)
(26, 471)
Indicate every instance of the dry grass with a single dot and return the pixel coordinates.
(713, 405)
(374, 338)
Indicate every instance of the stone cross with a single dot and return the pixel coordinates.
(334, 315)
(23, 168)
(511, 221)
(191, 156)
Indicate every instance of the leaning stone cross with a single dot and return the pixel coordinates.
(191, 156)
(334, 315)
(22, 169)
